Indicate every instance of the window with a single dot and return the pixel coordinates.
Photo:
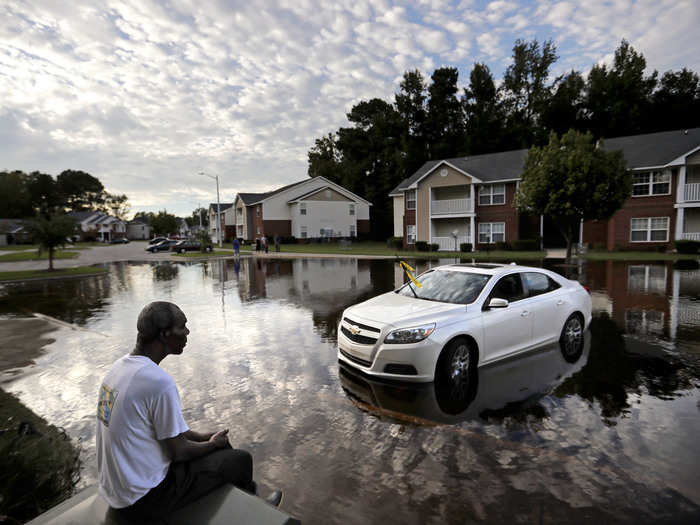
(411, 200)
(326, 232)
(492, 194)
(651, 183)
(411, 234)
(509, 288)
(302, 208)
(257, 211)
(353, 233)
(646, 278)
(492, 232)
(352, 209)
(539, 283)
(303, 232)
(649, 229)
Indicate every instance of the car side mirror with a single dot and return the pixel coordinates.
(497, 302)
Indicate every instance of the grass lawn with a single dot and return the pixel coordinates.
(638, 256)
(205, 254)
(380, 248)
(45, 274)
(18, 247)
(32, 256)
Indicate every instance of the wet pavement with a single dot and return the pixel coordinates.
(608, 436)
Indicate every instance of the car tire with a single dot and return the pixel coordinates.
(571, 338)
(182, 250)
(456, 378)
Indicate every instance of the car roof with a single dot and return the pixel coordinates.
(489, 268)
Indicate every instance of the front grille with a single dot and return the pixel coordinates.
(363, 340)
(356, 360)
(363, 326)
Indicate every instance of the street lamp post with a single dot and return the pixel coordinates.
(218, 207)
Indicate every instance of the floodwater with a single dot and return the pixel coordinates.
(610, 437)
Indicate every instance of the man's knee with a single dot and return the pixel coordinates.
(236, 466)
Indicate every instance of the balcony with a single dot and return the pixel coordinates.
(692, 192)
(451, 207)
(688, 236)
(447, 244)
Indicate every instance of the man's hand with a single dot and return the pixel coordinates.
(220, 438)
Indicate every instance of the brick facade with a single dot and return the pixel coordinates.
(506, 213)
(283, 228)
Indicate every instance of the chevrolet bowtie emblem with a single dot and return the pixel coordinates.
(354, 329)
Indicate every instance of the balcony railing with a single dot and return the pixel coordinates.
(692, 192)
(451, 206)
(690, 236)
(447, 244)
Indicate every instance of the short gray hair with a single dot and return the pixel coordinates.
(155, 318)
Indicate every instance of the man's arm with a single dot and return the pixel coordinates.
(180, 448)
(198, 436)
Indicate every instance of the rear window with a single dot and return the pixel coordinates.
(446, 286)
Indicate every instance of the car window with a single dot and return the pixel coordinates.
(509, 288)
(539, 283)
(447, 286)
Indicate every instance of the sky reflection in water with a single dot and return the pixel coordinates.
(610, 436)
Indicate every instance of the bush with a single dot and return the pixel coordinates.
(395, 242)
(526, 245)
(288, 239)
(501, 246)
(465, 247)
(421, 246)
(434, 247)
(683, 246)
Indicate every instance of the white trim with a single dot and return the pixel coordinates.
(651, 183)
(491, 241)
(491, 194)
(440, 163)
(340, 189)
(649, 229)
(430, 213)
(681, 159)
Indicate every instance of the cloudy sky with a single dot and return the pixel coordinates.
(147, 94)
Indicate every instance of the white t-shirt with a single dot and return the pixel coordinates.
(138, 405)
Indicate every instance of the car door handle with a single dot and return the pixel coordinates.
(524, 313)
(560, 302)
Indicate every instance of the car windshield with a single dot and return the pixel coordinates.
(447, 286)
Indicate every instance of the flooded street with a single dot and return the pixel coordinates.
(611, 436)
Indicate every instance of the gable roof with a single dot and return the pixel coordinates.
(655, 149)
(224, 206)
(313, 192)
(640, 151)
(254, 198)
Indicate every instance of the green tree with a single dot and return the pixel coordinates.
(445, 119)
(484, 114)
(44, 195)
(618, 99)
(565, 108)
(51, 232)
(524, 89)
(198, 215)
(325, 159)
(573, 179)
(676, 104)
(117, 205)
(15, 200)
(410, 103)
(163, 223)
(80, 190)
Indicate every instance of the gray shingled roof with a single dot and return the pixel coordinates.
(224, 206)
(252, 198)
(640, 151)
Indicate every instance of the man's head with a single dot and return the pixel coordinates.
(162, 322)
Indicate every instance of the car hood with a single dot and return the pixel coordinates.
(399, 310)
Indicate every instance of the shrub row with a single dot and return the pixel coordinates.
(687, 246)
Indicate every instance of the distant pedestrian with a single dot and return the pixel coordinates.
(236, 247)
(277, 243)
(257, 244)
(264, 243)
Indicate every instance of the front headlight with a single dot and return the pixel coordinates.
(410, 335)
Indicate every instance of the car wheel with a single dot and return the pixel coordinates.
(456, 376)
(182, 250)
(571, 339)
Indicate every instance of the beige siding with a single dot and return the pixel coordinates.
(398, 216)
(327, 195)
(692, 220)
(434, 180)
(693, 159)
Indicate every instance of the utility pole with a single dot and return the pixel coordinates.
(218, 207)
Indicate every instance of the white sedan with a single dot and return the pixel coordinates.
(461, 317)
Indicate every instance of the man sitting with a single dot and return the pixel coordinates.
(149, 461)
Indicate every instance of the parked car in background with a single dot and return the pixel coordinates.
(156, 240)
(462, 316)
(162, 246)
(189, 246)
(119, 240)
